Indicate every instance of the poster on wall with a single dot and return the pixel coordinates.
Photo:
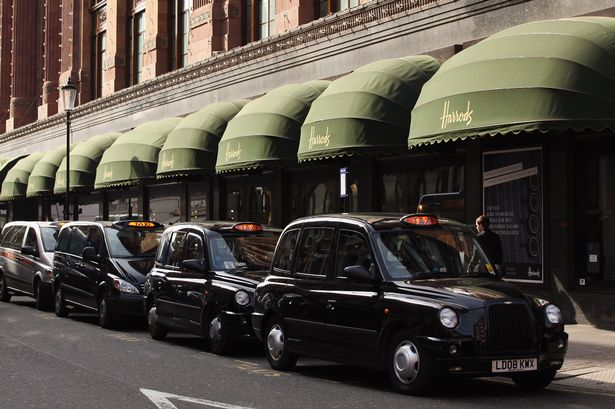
(512, 199)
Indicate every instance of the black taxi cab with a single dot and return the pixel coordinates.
(101, 266)
(413, 295)
(204, 278)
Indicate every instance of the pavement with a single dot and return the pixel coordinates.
(590, 360)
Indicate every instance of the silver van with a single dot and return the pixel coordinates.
(26, 260)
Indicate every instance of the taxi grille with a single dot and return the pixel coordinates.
(510, 327)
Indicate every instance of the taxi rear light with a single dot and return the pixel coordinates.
(421, 219)
(248, 227)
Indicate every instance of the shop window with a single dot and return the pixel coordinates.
(198, 202)
(180, 32)
(598, 219)
(99, 45)
(125, 207)
(403, 189)
(315, 193)
(56, 211)
(266, 19)
(165, 204)
(253, 203)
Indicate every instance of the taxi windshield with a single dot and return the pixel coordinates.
(431, 253)
(241, 251)
(130, 242)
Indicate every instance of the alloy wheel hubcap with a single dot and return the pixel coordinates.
(275, 342)
(215, 327)
(406, 362)
(58, 300)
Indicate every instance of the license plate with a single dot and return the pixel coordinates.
(514, 365)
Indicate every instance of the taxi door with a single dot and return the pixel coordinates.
(304, 307)
(165, 277)
(353, 307)
(191, 283)
(14, 269)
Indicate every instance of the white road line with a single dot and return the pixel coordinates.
(162, 400)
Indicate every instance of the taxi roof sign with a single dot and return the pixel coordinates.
(420, 219)
(248, 227)
(142, 224)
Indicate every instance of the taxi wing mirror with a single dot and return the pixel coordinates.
(359, 273)
(29, 251)
(89, 254)
(194, 264)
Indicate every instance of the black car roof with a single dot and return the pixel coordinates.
(222, 225)
(378, 221)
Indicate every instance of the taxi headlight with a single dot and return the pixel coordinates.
(553, 313)
(242, 298)
(448, 317)
(124, 286)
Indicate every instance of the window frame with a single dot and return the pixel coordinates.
(363, 237)
(293, 258)
(330, 255)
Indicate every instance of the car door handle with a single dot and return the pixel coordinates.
(331, 304)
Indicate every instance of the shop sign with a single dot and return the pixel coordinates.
(343, 173)
(512, 199)
(456, 116)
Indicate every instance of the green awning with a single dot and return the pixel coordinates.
(7, 164)
(366, 111)
(133, 157)
(191, 148)
(554, 75)
(84, 159)
(16, 181)
(42, 178)
(265, 133)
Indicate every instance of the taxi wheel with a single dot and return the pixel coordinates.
(42, 300)
(4, 291)
(276, 348)
(58, 303)
(220, 336)
(156, 331)
(408, 366)
(534, 380)
(105, 319)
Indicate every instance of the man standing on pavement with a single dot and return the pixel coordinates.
(489, 240)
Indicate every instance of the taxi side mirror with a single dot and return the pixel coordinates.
(29, 251)
(89, 254)
(359, 273)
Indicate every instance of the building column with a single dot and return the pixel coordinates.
(6, 29)
(25, 73)
(156, 47)
(51, 58)
(115, 62)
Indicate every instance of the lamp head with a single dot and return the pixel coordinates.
(69, 94)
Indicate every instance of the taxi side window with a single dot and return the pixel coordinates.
(176, 249)
(31, 239)
(95, 239)
(353, 250)
(7, 233)
(285, 251)
(78, 239)
(314, 251)
(64, 240)
(194, 247)
(17, 238)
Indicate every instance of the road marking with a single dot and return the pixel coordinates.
(123, 337)
(255, 369)
(162, 400)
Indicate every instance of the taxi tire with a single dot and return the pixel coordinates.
(156, 331)
(224, 344)
(4, 291)
(287, 360)
(59, 305)
(534, 381)
(42, 300)
(423, 366)
(105, 319)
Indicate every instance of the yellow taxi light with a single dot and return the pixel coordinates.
(248, 227)
(421, 220)
(141, 224)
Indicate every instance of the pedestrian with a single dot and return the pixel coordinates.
(489, 240)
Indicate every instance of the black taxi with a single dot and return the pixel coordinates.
(204, 278)
(101, 266)
(414, 295)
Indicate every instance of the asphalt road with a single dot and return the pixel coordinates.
(50, 362)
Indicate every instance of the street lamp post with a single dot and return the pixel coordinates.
(69, 93)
